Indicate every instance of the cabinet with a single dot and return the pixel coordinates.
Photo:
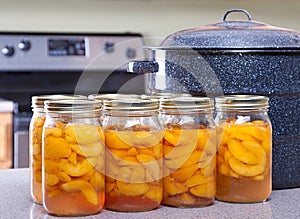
(6, 146)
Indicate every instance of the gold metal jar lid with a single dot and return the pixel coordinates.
(164, 95)
(64, 106)
(38, 101)
(101, 97)
(242, 102)
(131, 105)
(184, 103)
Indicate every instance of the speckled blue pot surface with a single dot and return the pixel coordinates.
(274, 75)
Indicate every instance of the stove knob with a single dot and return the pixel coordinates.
(8, 50)
(131, 53)
(109, 46)
(24, 45)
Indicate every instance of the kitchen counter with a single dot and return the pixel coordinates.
(16, 202)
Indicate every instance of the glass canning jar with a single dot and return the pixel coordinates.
(189, 148)
(244, 157)
(73, 158)
(133, 139)
(35, 141)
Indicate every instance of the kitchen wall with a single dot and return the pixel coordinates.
(153, 18)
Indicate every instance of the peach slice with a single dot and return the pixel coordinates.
(195, 157)
(203, 137)
(132, 189)
(183, 161)
(183, 174)
(36, 149)
(171, 137)
(137, 174)
(51, 179)
(224, 169)
(39, 121)
(207, 190)
(82, 133)
(78, 169)
(198, 179)
(172, 188)
(179, 137)
(97, 180)
(86, 188)
(56, 148)
(245, 169)
(154, 193)
(242, 136)
(153, 170)
(54, 131)
(248, 129)
(143, 138)
(187, 199)
(109, 186)
(73, 158)
(88, 175)
(257, 149)
(113, 141)
(50, 166)
(209, 168)
(124, 174)
(244, 153)
(89, 150)
(64, 177)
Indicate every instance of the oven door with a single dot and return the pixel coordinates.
(21, 139)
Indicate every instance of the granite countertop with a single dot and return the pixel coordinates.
(16, 202)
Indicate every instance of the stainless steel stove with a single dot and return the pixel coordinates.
(68, 63)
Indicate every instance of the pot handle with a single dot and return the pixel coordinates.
(237, 10)
(141, 67)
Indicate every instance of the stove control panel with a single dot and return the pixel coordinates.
(66, 47)
(69, 51)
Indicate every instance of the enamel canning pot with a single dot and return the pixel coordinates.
(238, 57)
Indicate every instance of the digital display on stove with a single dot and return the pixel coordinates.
(66, 47)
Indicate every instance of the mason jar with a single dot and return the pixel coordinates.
(244, 157)
(35, 141)
(73, 158)
(133, 139)
(189, 149)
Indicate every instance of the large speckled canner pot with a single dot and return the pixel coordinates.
(238, 57)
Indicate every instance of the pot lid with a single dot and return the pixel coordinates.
(234, 34)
